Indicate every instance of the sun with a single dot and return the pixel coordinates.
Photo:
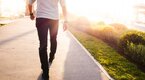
(12, 7)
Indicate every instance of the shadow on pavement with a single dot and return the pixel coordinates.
(40, 76)
(17, 36)
(78, 65)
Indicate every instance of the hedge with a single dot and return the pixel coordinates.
(132, 44)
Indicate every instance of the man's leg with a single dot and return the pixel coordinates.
(53, 37)
(42, 29)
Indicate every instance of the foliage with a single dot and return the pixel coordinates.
(108, 33)
(132, 44)
(120, 28)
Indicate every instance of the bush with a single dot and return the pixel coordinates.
(132, 44)
(137, 52)
(108, 34)
(119, 27)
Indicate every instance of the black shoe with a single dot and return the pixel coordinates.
(51, 59)
(45, 76)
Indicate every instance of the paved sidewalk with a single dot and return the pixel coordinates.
(19, 58)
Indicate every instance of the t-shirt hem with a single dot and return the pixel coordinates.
(47, 17)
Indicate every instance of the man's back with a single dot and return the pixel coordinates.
(47, 8)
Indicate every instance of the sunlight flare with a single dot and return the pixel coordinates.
(106, 10)
(11, 8)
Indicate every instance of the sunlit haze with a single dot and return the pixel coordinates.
(12, 7)
(108, 10)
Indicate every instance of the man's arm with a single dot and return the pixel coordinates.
(64, 10)
(65, 14)
(30, 7)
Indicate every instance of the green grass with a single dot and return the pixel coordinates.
(116, 65)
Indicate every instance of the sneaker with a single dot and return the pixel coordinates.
(51, 60)
(45, 76)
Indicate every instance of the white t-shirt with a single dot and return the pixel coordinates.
(48, 8)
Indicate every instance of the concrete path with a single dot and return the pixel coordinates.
(19, 58)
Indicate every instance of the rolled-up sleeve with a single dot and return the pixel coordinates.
(31, 1)
(62, 2)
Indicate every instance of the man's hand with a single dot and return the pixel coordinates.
(32, 17)
(30, 8)
(65, 25)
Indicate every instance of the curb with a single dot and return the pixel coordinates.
(95, 61)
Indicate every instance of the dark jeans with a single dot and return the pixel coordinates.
(43, 25)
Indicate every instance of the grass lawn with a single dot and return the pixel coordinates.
(116, 65)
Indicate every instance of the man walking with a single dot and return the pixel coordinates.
(47, 18)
